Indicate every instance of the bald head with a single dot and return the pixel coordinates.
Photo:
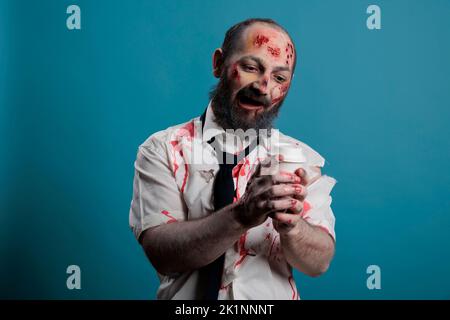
(259, 32)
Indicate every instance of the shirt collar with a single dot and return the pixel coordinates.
(212, 129)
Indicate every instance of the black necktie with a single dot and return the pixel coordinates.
(223, 194)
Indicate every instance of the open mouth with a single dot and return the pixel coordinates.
(249, 103)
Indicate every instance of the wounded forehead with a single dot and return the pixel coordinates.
(270, 39)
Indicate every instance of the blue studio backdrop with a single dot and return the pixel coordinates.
(75, 105)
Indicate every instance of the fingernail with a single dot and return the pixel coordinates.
(298, 189)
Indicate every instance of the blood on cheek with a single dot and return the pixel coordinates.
(235, 73)
(236, 76)
(279, 92)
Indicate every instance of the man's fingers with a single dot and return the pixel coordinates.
(297, 208)
(282, 177)
(302, 195)
(285, 218)
(294, 205)
(301, 173)
(283, 190)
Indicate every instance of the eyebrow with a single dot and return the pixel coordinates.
(261, 63)
(283, 68)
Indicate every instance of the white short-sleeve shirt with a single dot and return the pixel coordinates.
(173, 181)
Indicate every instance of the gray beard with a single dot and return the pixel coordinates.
(229, 115)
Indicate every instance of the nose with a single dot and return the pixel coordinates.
(261, 86)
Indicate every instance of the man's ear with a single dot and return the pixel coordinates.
(217, 62)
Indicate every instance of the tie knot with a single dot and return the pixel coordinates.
(225, 158)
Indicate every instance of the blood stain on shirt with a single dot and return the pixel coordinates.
(245, 168)
(243, 252)
(271, 247)
(242, 171)
(186, 173)
(174, 162)
(292, 284)
(186, 131)
(239, 171)
(167, 214)
(306, 208)
(222, 287)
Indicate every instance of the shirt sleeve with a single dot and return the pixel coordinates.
(156, 196)
(319, 212)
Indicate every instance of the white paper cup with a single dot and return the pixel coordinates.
(292, 158)
(290, 167)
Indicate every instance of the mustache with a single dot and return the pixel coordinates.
(251, 95)
(228, 115)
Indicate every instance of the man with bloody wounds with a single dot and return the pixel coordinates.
(272, 223)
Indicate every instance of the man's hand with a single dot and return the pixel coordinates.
(271, 195)
(286, 222)
(307, 248)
